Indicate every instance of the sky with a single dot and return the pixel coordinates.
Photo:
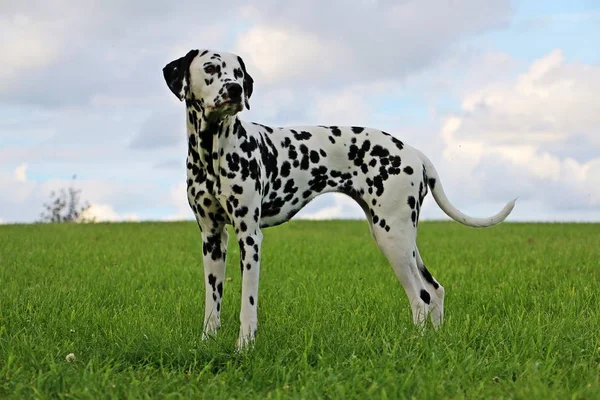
(502, 96)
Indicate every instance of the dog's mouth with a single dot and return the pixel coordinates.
(231, 102)
(228, 105)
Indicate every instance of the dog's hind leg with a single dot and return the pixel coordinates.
(435, 289)
(398, 246)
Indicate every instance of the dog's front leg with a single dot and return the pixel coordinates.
(214, 248)
(250, 242)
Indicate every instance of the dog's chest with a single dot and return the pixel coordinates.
(203, 192)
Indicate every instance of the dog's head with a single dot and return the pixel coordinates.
(219, 81)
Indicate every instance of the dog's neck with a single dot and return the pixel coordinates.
(206, 135)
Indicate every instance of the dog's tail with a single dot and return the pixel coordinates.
(433, 181)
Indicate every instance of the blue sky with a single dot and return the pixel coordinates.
(538, 27)
(495, 94)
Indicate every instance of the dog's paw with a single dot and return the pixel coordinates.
(245, 342)
(210, 329)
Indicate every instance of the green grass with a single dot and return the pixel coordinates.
(522, 314)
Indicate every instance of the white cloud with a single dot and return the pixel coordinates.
(277, 54)
(14, 189)
(332, 44)
(348, 106)
(505, 139)
(276, 105)
(20, 173)
(179, 200)
(32, 50)
(552, 101)
(343, 207)
(106, 59)
(105, 213)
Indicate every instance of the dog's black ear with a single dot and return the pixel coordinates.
(177, 74)
(248, 82)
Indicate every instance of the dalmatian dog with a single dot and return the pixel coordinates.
(252, 176)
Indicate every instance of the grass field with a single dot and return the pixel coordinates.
(522, 314)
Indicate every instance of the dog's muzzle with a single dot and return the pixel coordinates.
(231, 100)
(234, 92)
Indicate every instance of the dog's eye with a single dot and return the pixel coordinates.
(210, 69)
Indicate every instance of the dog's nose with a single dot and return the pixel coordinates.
(234, 90)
